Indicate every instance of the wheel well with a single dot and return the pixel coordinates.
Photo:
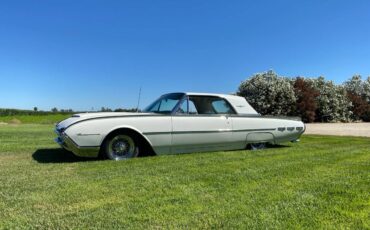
(145, 147)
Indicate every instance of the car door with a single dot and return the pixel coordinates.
(199, 125)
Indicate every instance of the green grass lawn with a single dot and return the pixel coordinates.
(36, 119)
(321, 182)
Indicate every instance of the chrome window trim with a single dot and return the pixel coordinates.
(174, 111)
(186, 97)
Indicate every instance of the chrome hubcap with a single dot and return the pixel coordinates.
(122, 147)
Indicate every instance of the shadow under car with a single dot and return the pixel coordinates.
(57, 155)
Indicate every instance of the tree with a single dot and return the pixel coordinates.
(54, 110)
(332, 103)
(127, 110)
(355, 85)
(306, 95)
(35, 109)
(268, 93)
(358, 92)
(366, 90)
(103, 109)
(359, 107)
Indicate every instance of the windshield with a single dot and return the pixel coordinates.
(164, 104)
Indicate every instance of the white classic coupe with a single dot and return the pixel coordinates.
(175, 123)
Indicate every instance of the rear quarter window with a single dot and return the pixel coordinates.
(221, 106)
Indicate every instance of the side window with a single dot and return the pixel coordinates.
(222, 107)
(202, 104)
(166, 105)
(192, 109)
(183, 109)
(205, 105)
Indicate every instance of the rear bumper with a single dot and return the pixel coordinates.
(67, 143)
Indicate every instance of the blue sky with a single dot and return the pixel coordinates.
(84, 54)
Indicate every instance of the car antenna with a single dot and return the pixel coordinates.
(138, 101)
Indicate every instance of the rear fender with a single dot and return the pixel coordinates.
(261, 137)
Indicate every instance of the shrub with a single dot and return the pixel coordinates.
(359, 106)
(269, 94)
(358, 93)
(332, 104)
(15, 121)
(312, 99)
(306, 104)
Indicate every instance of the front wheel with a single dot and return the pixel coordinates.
(121, 147)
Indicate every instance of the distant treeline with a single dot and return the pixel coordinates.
(103, 109)
(13, 112)
(35, 111)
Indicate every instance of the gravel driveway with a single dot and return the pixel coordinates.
(339, 129)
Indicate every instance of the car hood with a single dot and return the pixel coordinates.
(87, 116)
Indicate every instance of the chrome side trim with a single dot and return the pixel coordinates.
(254, 130)
(208, 131)
(188, 115)
(118, 116)
(87, 134)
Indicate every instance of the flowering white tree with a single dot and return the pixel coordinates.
(366, 89)
(268, 93)
(333, 103)
(355, 85)
(271, 94)
(359, 94)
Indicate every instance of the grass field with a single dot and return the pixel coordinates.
(35, 119)
(321, 182)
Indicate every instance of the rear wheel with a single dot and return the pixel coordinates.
(121, 147)
(256, 146)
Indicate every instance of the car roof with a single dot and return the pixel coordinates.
(240, 104)
(205, 94)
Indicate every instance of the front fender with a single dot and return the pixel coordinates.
(156, 130)
(126, 127)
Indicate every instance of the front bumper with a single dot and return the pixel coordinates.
(67, 143)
